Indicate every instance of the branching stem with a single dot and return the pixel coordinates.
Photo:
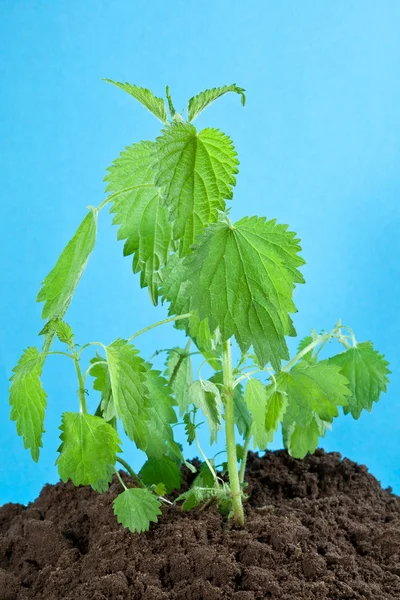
(130, 471)
(163, 322)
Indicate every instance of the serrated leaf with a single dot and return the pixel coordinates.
(241, 278)
(302, 345)
(145, 97)
(89, 446)
(190, 429)
(161, 470)
(367, 372)
(140, 213)
(161, 414)
(242, 415)
(205, 395)
(136, 508)
(199, 102)
(275, 409)
(239, 451)
(60, 284)
(197, 495)
(196, 171)
(127, 372)
(102, 383)
(61, 329)
(302, 440)
(28, 400)
(179, 374)
(255, 397)
(204, 478)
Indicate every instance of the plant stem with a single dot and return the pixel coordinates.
(237, 506)
(245, 453)
(169, 320)
(81, 389)
(120, 480)
(130, 471)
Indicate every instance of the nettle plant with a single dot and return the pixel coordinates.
(223, 281)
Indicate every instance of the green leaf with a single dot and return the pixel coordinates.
(136, 508)
(367, 372)
(302, 440)
(28, 400)
(130, 394)
(197, 495)
(303, 344)
(140, 213)
(171, 107)
(241, 278)
(205, 478)
(102, 383)
(61, 329)
(179, 374)
(161, 414)
(205, 395)
(199, 102)
(242, 415)
(161, 470)
(60, 284)
(255, 397)
(144, 96)
(190, 429)
(275, 409)
(196, 171)
(89, 447)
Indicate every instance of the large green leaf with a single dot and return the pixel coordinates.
(161, 470)
(89, 447)
(205, 395)
(199, 102)
(136, 508)
(140, 213)
(60, 284)
(28, 400)
(241, 278)
(179, 374)
(145, 97)
(196, 171)
(127, 372)
(367, 372)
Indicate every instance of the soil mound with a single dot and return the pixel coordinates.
(321, 528)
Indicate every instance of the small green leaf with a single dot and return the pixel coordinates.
(179, 374)
(60, 284)
(144, 96)
(136, 508)
(139, 211)
(197, 495)
(205, 478)
(303, 439)
(196, 171)
(367, 372)
(255, 397)
(205, 395)
(190, 429)
(239, 451)
(102, 383)
(130, 394)
(171, 107)
(61, 329)
(89, 447)
(161, 470)
(275, 409)
(302, 345)
(28, 400)
(241, 278)
(199, 102)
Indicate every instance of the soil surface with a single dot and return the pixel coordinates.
(321, 528)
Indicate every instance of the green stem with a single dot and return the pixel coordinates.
(111, 197)
(130, 471)
(204, 457)
(120, 479)
(237, 506)
(245, 453)
(81, 389)
(149, 327)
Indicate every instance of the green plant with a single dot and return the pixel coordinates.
(222, 281)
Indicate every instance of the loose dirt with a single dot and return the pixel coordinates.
(321, 528)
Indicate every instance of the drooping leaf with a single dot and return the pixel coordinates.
(127, 372)
(89, 446)
(204, 478)
(28, 400)
(205, 395)
(241, 278)
(275, 409)
(179, 374)
(144, 96)
(190, 429)
(61, 329)
(161, 415)
(255, 397)
(199, 102)
(60, 284)
(161, 470)
(196, 495)
(196, 171)
(136, 508)
(102, 383)
(140, 213)
(367, 372)
(302, 440)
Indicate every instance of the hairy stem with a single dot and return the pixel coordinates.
(120, 479)
(81, 388)
(245, 453)
(237, 506)
(130, 471)
(169, 320)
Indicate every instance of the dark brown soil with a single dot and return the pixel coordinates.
(321, 528)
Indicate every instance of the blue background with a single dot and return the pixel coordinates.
(319, 145)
